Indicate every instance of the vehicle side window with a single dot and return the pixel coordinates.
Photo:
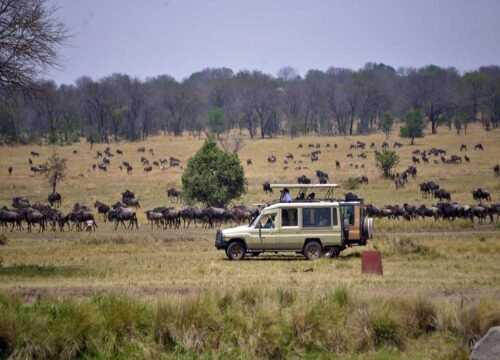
(316, 217)
(335, 218)
(289, 217)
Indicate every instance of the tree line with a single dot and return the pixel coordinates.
(337, 101)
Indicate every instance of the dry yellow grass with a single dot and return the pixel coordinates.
(461, 260)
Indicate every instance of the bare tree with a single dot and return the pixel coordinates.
(29, 39)
(55, 170)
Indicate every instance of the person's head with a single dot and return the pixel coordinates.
(286, 190)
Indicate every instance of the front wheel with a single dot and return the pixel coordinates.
(235, 250)
(313, 250)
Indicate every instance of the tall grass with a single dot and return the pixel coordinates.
(251, 324)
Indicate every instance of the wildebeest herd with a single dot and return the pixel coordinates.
(22, 215)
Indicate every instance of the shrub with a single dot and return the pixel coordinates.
(421, 317)
(385, 330)
(386, 160)
(350, 184)
(213, 177)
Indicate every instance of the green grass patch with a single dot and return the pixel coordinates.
(42, 271)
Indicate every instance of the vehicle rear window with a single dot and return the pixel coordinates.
(316, 217)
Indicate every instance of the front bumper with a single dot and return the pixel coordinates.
(219, 241)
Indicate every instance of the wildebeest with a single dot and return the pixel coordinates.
(271, 159)
(102, 167)
(480, 194)
(303, 180)
(154, 218)
(442, 194)
(173, 194)
(397, 145)
(141, 149)
(463, 147)
(478, 147)
(10, 170)
(120, 215)
(496, 170)
(266, 186)
(249, 161)
(148, 168)
(102, 209)
(119, 152)
(412, 170)
(361, 179)
(33, 153)
(428, 188)
(54, 199)
(289, 156)
(337, 164)
(132, 202)
(174, 162)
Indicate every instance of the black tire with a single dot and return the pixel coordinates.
(313, 250)
(236, 250)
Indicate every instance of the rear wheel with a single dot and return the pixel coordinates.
(313, 250)
(235, 250)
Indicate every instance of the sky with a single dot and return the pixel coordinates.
(146, 38)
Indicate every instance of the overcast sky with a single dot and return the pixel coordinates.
(147, 38)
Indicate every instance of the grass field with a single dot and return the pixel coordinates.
(445, 274)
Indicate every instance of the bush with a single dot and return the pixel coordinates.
(350, 184)
(386, 160)
(213, 177)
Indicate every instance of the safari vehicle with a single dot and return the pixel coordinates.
(308, 225)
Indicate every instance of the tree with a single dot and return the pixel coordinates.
(386, 160)
(29, 38)
(386, 123)
(215, 121)
(213, 177)
(56, 166)
(413, 125)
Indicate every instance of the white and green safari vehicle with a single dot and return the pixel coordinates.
(312, 227)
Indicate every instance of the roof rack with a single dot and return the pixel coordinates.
(303, 188)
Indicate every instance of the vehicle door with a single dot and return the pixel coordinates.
(290, 237)
(264, 234)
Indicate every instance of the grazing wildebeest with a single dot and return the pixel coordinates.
(337, 164)
(397, 145)
(129, 169)
(174, 162)
(266, 186)
(480, 194)
(478, 147)
(173, 194)
(249, 161)
(119, 152)
(415, 160)
(361, 179)
(271, 159)
(412, 170)
(496, 170)
(102, 167)
(463, 147)
(33, 153)
(148, 168)
(442, 194)
(54, 199)
(102, 209)
(466, 158)
(141, 149)
(289, 156)
(303, 180)
(10, 170)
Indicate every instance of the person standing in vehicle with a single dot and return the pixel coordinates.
(285, 195)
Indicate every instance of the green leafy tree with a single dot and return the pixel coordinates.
(386, 123)
(386, 160)
(413, 126)
(215, 121)
(213, 177)
(56, 167)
